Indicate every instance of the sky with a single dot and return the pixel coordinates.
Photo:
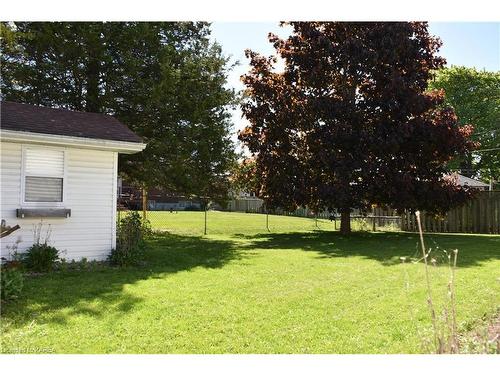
(472, 44)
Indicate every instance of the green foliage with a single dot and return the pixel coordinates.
(244, 177)
(12, 280)
(475, 97)
(132, 232)
(81, 265)
(165, 80)
(40, 257)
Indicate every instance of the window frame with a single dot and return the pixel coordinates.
(23, 177)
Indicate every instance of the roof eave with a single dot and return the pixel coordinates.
(122, 147)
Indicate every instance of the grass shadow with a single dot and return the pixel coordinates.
(385, 247)
(58, 296)
(62, 294)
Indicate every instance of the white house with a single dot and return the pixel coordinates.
(60, 167)
(471, 182)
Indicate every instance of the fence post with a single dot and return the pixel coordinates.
(144, 203)
(205, 228)
(267, 220)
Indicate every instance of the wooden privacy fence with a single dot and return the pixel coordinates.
(479, 215)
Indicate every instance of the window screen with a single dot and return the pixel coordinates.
(43, 189)
(44, 171)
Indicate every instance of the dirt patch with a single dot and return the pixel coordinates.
(484, 339)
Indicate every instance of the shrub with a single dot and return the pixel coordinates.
(41, 257)
(12, 280)
(132, 232)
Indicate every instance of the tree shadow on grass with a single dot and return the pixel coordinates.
(57, 296)
(385, 247)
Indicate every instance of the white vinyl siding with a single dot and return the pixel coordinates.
(89, 191)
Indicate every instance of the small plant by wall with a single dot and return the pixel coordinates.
(131, 234)
(40, 257)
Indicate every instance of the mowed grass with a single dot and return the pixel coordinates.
(241, 289)
(193, 223)
(230, 223)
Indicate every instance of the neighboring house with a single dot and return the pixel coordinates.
(60, 167)
(130, 198)
(173, 204)
(471, 182)
(244, 194)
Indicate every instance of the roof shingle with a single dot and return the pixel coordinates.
(37, 119)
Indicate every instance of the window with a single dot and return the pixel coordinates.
(43, 175)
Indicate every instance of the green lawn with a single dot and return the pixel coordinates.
(241, 289)
(231, 223)
(224, 223)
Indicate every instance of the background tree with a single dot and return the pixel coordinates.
(165, 80)
(244, 177)
(475, 97)
(348, 123)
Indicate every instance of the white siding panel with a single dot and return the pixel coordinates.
(90, 195)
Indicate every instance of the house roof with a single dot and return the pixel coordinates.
(467, 181)
(44, 120)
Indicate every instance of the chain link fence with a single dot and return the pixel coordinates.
(246, 217)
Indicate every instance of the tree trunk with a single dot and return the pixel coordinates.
(345, 222)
